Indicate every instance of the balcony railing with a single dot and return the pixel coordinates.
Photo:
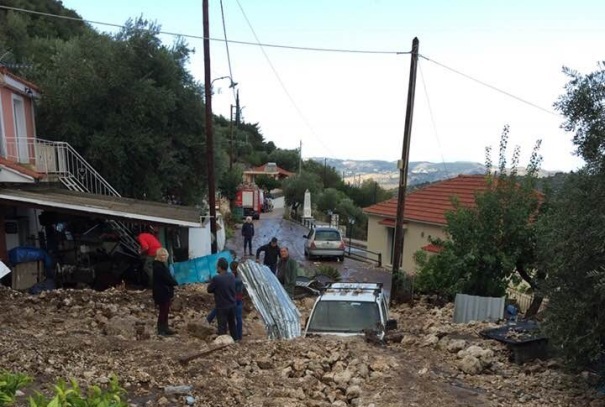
(59, 159)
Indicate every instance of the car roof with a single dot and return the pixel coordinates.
(361, 292)
(326, 228)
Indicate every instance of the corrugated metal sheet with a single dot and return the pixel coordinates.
(474, 308)
(280, 315)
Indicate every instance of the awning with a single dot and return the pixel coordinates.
(391, 223)
(387, 222)
(85, 204)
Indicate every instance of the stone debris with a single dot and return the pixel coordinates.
(90, 336)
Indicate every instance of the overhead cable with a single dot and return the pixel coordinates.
(228, 55)
(428, 102)
(200, 37)
(490, 86)
(283, 86)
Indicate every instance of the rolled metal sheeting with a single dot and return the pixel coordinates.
(280, 315)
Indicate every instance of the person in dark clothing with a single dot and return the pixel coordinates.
(271, 250)
(163, 290)
(248, 233)
(287, 271)
(223, 287)
(239, 300)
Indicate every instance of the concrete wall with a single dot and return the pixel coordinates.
(416, 235)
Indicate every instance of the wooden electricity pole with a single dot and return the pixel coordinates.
(403, 165)
(231, 133)
(209, 130)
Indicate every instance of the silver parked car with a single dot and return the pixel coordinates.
(324, 241)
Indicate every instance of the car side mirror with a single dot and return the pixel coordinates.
(391, 325)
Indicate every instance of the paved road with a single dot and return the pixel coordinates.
(290, 234)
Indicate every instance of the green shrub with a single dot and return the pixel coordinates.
(70, 395)
(9, 384)
(329, 271)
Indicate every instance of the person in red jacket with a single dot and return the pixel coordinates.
(149, 246)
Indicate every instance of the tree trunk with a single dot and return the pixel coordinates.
(535, 306)
(537, 300)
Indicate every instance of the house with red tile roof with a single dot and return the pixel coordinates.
(269, 169)
(424, 217)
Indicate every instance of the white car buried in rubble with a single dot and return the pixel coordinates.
(348, 309)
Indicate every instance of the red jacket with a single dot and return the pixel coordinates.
(149, 244)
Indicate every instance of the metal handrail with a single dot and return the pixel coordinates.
(61, 159)
(64, 160)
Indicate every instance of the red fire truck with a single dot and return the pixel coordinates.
(249, 201)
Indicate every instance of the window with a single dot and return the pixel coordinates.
(344, 316)
(328, 235)
(20, 129)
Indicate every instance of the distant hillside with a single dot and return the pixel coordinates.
(419, 172)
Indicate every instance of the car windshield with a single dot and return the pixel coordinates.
(327, 235)
(344, 316)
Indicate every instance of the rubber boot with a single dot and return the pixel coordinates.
(168, 331)
(163, 330)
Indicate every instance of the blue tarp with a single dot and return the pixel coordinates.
(25, 254)
(200, 269)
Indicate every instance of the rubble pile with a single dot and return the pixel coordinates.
(485, 365)
(90, 336)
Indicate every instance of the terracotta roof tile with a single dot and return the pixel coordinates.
(262, 169)
(431, 203)
(432, 248)
(27, 83)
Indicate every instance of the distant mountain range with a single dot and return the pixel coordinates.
(419, 172)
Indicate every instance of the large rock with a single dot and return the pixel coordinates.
(470, 365)
(430, 340)
(485, 356)
(456, 345)
(223, 340)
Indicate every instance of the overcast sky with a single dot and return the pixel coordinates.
(352, 105)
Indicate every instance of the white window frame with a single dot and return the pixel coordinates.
(18, 122)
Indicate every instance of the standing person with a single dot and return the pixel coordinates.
(248, 233)
(287, 271)
(239, 300)
(223, 287)
(163, 290)
(149, 246)
(271, 250)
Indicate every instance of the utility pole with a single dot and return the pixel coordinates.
(300, 158)
(231, 132)
(403, 165)
(209, 130)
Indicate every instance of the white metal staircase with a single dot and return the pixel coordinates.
(59, 159)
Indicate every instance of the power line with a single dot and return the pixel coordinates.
(490, 86)
(428, 102)
(198, 37)
(302, 116)
(228, 55)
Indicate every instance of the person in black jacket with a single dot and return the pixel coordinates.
(271, 250)
(163, 290)
(223, 287)
(248, 233)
